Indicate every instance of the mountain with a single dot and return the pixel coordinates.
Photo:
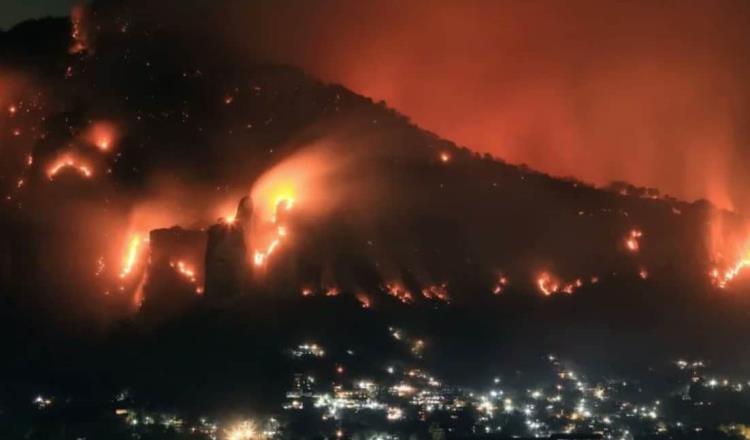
(119, 127)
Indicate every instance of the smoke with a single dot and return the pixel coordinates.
(653, 94)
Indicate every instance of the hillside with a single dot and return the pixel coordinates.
(117, 126)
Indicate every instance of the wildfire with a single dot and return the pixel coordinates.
(730, 251)
(261, 257)
(721, 278)
(632, 241)
(437, 292)
(546, 284)
(643, 273)
(502, 283)
(364, 300)
(445, 157)
(102, 135)
(332, 291)
(69, 161)
(283, 206)
(571, 287)
(399, 292)
(184, 269)
(549, 284)
(132, 255)
(78, 35)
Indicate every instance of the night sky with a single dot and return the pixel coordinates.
(15, 11)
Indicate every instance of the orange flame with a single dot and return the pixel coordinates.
(721, 278)
(632, 241)
(132, 255)
(437, 292)
(284, 203)
(103, 135)
(549, 284)
(69, 161)
(364, 300)
(188, 272)
(399, 292)
(502, 283)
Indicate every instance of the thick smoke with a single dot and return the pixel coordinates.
(653, 94)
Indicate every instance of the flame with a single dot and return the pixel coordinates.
(571, 287)
(364, 300)
(502, 283)
(72, 162)
(188, 272)
(720, 278)
(184, 269)
(437, 292)
(445, 157)
(79, 37)
(284, 204)
(132, 255)
(549, 284)
(546, 284)
(632, 240)
(397, 291)
(103, 135)
(730, 250)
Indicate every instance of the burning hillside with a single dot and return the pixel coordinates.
(175, 207)
(127, 161)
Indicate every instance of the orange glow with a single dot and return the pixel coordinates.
(436, 292)
(445, 157)
(188, 272)
(298, 190)
(549, 284)
(78, 35)
(502, 283)
(546, 285)
(132, 255)
(184, 269)
(721, 278)
(643, 273)
(103, 135)
(626, 119)
(364, 300)
(306, 291)
(284, 204)
(72, 162)
(571, 287)
(730, 250)
(12, 109)
(399, 292)
(332, 291)
(632, 241)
